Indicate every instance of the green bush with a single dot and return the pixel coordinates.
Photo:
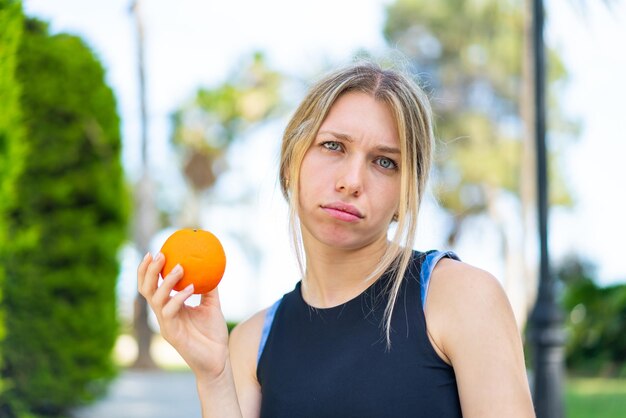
(65, 230)
(11, 144)
(596, 322)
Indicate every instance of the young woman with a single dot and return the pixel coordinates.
(374, 328)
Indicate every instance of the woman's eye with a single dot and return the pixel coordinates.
(387, 163)
(332, 145)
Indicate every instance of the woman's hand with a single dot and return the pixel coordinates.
(198, 333)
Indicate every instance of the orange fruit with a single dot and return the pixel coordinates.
(200, 254)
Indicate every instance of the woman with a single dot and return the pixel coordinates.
(374, 328)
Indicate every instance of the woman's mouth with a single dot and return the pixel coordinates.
(343, 212)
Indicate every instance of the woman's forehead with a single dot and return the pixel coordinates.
(358, 116)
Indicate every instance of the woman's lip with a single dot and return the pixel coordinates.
(343, 211)
(341, 215)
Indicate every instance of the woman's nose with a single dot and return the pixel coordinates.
(350, 178)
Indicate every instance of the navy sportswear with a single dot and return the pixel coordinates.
(334, 362)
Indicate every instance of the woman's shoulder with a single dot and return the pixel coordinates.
(473, 328)
(465, 302)
(458, 287)
(451, 274)
(243, 343)
(250, 329)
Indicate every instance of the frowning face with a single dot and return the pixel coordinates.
(349, 186)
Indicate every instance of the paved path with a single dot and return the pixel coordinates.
(148, 394)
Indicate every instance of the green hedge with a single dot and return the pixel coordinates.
(595, 322)
(65, 231)
(11, 144)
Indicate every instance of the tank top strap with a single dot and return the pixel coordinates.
(428, 265)
(267, 325)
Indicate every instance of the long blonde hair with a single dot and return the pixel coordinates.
(412, 112)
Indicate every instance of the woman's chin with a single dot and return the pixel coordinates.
(344, 242)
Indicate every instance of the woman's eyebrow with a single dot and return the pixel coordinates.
(348, 138)
(337, 135)
(388, 150)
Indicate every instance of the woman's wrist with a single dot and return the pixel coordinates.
(218, 394)
(214, 376)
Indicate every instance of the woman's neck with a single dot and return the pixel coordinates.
(336, 276)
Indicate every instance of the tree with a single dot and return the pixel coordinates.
(11, 143)
(66, 226)
(469, 55)
(204, 128)
(145, 213)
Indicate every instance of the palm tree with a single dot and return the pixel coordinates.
(145, 211)
(206, 126)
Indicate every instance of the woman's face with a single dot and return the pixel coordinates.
(350, 176)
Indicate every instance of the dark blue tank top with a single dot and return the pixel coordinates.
(334, 362)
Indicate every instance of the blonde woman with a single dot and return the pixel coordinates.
(373, 328)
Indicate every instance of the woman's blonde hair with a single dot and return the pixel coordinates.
(412, 112)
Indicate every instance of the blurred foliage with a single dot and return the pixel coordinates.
(468, 54)
(230, 325)
(65, 228)
(11, 144)
(204, 128)
(596, 321)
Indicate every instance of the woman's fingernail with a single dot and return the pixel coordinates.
(145, 257)
(158, 257)
(177, 270)
(188, 289)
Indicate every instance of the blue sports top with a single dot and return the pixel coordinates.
(334, 362)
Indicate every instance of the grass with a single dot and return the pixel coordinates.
(595, 398)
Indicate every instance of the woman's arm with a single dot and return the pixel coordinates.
(244, 343)
(472, 326)
(200, 336)
(238, 384)
(218, 397)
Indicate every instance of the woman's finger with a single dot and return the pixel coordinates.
(141, 270)
(162, 294)
(176, 302)
(151, 278)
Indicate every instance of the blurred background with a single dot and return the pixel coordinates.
(122, 121)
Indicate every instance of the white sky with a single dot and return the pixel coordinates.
(193, 43)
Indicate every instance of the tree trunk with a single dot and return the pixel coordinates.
(145, 212)
(145, 226)
(143, 335)
(528, 174)
(511, 250)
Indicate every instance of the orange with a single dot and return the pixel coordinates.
(200, 254)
